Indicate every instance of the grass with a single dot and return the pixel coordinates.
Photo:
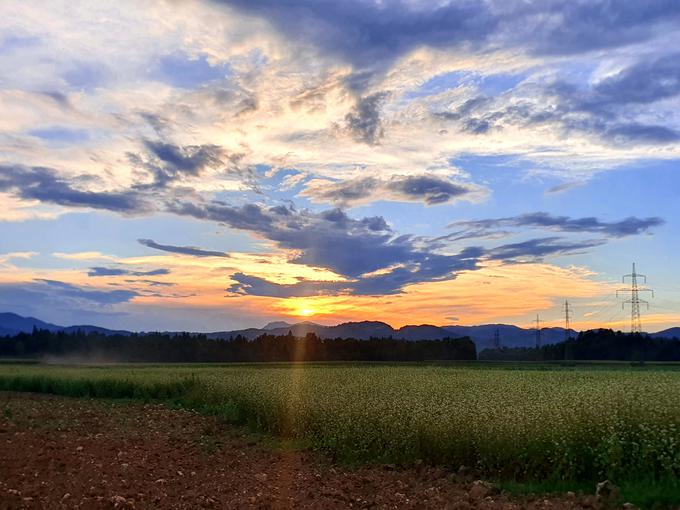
(537, 427)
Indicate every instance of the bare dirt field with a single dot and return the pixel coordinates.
(70, 453)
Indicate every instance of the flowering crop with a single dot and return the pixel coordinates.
(576, 424)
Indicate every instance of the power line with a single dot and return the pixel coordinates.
(634, 301)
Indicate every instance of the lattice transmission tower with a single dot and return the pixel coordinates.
(567, 320)
(635, 301)
(538, 331)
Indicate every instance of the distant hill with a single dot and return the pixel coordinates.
(13, 324)
(483, 336)
(667, 333)
(277, 325)
(509, 336)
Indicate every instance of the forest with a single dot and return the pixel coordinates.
(596, 344)
(188, 348)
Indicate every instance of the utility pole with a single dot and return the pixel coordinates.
(497, 339)
(538, 332)
(634, 301)
(567, 320)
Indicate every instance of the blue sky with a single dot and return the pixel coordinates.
(218, 164)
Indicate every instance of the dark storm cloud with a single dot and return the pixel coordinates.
(116, 271)
(364, 121)
(183, 250)
(43, 184)
(626, 227)
(430, 189)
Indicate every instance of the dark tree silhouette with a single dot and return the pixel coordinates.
(597, 344)
(185, 347)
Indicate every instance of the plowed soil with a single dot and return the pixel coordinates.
(59, 452)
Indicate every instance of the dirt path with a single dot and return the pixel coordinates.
(69, 453)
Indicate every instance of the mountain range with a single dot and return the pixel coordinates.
(12, 324)
(483, 336)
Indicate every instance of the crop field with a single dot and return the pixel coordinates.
(537, 423)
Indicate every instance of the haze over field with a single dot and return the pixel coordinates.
(219, 164)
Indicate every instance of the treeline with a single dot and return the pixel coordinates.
(187, 348)
(598, 344)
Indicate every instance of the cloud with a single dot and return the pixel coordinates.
(183, 250)
(427, 188)
(364, 121)
(646, 81)
(433, 190)
(603, 109)
(429, 268)
(369, 34)
(153, 283)
(183, 71)
(54, 293)
(563, 105)
(375, 260)
(569, 27)
(115, 271)
(353, 248)
(255, 286)
(168, 162)
(535, 249)
(328, 239)
(24, 255)
(44, 184)
(623, 228)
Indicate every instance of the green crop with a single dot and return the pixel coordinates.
(539, 424)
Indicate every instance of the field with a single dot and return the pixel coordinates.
(543, 425)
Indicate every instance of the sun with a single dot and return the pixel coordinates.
(306, 312)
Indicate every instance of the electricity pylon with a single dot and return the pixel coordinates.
(567, 330)
(634, 301)
(497, 339)
(567, 320)
(538, 332)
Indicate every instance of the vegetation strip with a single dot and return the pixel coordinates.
(516, 425)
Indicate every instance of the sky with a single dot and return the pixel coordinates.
(219, 164)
